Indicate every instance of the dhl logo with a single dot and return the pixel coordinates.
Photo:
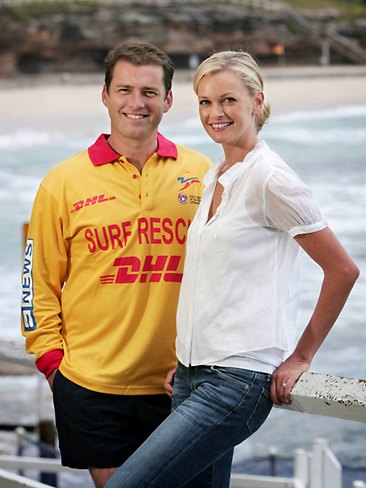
(151, 270)
(90, 201)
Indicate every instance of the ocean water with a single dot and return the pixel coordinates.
(327, 148)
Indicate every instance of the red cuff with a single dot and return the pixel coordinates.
(50, 361)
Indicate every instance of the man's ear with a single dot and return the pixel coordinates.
(105, 95)
(168, 101)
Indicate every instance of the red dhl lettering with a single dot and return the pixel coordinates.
(152, 270)
(90, 201)
(152, 230)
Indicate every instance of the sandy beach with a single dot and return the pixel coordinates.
(74, 101)
(78, 97)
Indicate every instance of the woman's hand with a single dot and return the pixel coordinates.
(168, 383)
(284, 378)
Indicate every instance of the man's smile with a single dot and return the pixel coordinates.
(134, 116)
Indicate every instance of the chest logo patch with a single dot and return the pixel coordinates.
(182, 198)
(187, 182)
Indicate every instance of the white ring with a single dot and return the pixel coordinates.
(283, 385)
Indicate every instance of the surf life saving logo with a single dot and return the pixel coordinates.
(187, 182)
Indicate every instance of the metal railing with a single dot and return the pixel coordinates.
(318, 468)
(321, 466)
(10, 480)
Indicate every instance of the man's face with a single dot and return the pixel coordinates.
(136, 100)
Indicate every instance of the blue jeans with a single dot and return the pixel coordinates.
(214, 409)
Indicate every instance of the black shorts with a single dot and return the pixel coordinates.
(100, 430)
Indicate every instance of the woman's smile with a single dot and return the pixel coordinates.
(219, 126)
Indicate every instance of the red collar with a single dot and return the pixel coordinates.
(101, 152)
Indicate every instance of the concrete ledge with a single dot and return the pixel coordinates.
(14, 359)
(331, 396)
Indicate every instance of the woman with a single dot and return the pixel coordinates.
(237, 305)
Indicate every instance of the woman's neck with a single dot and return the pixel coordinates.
(237, 154)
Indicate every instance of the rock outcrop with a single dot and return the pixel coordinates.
(75, 37)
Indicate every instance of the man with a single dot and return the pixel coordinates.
(103, 266)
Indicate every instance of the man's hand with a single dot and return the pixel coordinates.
(51, 378)
(168, 383)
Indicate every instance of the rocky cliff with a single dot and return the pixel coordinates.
(75, 37)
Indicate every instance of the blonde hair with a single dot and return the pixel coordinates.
(244, 64)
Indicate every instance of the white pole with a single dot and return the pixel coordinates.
(301, 466)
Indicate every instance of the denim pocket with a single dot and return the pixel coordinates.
(260, 412)
(241, 377)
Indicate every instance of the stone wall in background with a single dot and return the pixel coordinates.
(75, 37)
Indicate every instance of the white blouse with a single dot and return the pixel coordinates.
(239, 293)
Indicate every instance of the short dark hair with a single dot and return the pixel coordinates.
(139, 54)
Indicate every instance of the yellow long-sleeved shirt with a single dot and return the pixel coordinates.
(103, 266)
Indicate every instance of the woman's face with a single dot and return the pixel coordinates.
(227, 109)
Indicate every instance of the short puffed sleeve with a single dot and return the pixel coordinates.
(289, 204)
